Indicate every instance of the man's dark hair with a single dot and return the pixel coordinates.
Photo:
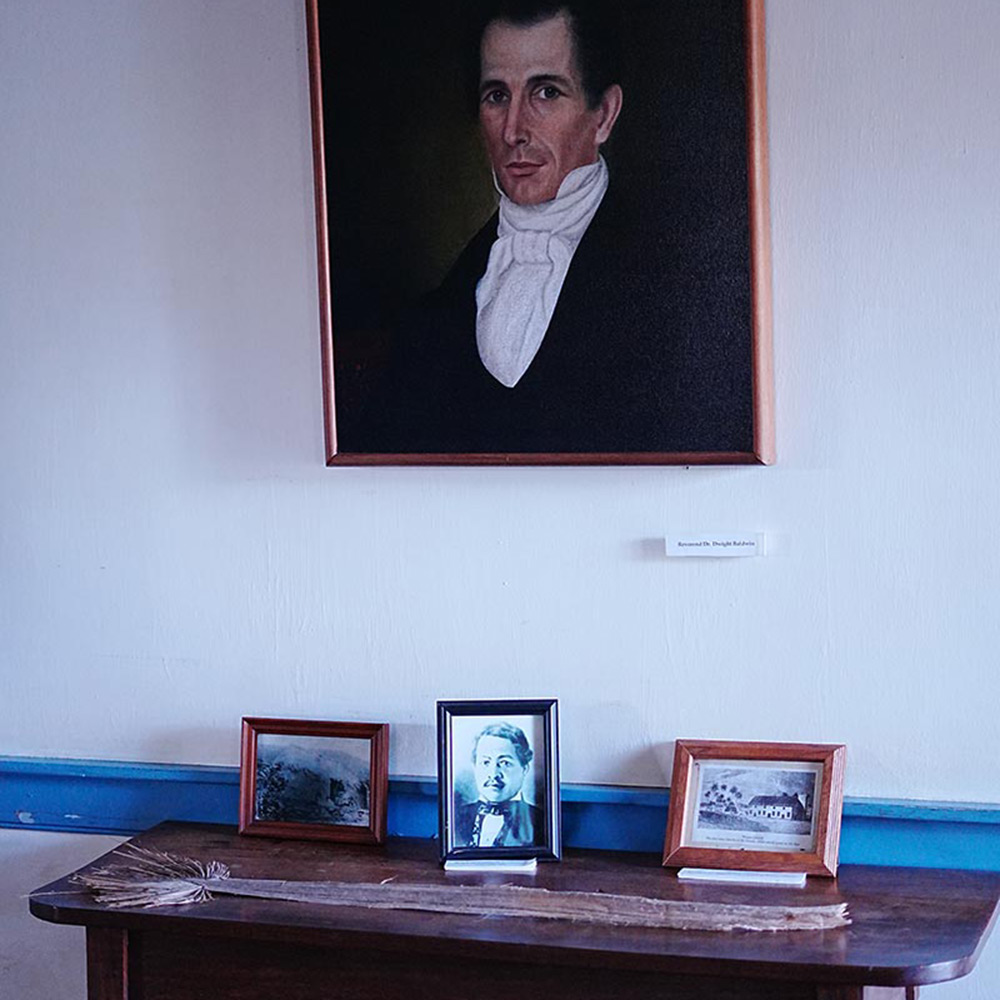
(594, 26)
(508, 732)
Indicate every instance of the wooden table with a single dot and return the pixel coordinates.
(910, 927)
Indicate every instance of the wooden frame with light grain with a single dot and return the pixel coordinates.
(819, 859)
(761, 450)
(376, 733)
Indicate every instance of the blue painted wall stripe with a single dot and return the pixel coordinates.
(117, 797)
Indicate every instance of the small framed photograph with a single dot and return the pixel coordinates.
(756, 806)
(498, 780)
(314, 780)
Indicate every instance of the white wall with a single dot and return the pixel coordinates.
(175, 555)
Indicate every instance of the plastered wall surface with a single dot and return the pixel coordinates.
(174, 554)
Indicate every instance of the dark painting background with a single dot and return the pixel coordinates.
(408, 184)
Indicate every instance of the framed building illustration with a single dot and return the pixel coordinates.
(756, 806)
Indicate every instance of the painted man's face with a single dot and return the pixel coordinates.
(533, 111)
(499, 772)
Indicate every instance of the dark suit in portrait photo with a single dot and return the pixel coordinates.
(539, 231)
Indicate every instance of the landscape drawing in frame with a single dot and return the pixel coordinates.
(756, 806)
(498, 289)
(314, 780)
(498, 780)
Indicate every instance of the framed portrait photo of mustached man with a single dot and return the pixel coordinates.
(498, 780)
(543, 232)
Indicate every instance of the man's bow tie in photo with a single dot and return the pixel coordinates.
(494, 808)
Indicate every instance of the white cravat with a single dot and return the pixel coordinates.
(517, 295)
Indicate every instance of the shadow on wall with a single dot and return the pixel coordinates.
(212, 745)
(231, 244)
(412, 741)
(656, 760)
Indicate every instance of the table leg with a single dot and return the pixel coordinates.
(110, 964)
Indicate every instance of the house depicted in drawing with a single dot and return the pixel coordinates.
(776, 807)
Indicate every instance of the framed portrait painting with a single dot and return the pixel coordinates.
(756, 806)
(314, 780)
(498, 780)
(543, 232)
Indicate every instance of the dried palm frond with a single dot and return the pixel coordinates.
(153, 878)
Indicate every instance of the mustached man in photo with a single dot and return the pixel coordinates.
(500, 816)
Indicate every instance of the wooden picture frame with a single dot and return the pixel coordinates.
(498, 778)
(668, 362)
(313, 780)
(756, 806)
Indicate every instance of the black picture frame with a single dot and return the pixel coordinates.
(401, 187)
(460, 726)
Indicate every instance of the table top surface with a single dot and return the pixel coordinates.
(909, 926)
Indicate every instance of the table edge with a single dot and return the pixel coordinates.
(176, 922)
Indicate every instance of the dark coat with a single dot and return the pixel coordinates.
(523, 827)
(642, 355)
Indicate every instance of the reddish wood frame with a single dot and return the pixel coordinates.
(762, 364)
(821, 861)
(376, 732)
